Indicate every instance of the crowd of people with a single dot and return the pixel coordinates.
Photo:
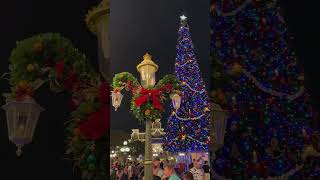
(162, 170)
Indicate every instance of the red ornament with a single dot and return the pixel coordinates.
(59, 67)
(146, 95)
(21, 93)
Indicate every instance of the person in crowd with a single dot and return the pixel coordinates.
(130, 170)
(136, 171)
(206, 169)
(121, 175)
(197, 171)
(191, 164)
(188, 176)
(169, 173)
(157, 171)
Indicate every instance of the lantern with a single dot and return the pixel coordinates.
(147, 69)
(219, 124)
(22, 118)
(116, 99)
(176, 101)
(97, 21)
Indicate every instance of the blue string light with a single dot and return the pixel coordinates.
(191, 135)
(257, 38)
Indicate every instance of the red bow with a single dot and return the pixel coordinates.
(59, 67)
(146, 94)
(96, 125)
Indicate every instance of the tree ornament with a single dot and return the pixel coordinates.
(23, 84)
(236, 70)
(147, 112)
(37, 47)
(30, 68)
(76, 131)
(183, 136)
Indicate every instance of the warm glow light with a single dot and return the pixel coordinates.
(147, 69)
(116, 99)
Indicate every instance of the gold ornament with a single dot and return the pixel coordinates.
(37, 47)
(147, 112)
(206, 109)
(30, 67)
(173, 113)
(183, 82)
(76, 131)
(23, 84)
(236, 69)
(183, 136)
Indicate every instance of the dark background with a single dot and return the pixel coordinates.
(144, 26)
(44, 157)
(137, 26)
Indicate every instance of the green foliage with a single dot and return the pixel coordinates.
(40, 50)
(123, 78)
(34, 62)
(146, 111)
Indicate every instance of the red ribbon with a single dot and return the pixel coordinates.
(146, 95)
(97, 123)
(59, 67)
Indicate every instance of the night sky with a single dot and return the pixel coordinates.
(144, 26)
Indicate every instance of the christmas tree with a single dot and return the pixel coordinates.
(256, 77)
(187, 128)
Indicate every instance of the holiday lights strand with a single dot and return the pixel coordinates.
(202, 91)
(234, 12)
(188, 119)
(273, 92)
(182, 65)
(175, 139)
(202, 143)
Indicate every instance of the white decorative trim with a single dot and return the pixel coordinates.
(189, 138)
(273, 92)
(193, 62)
(234, 12)
(188, 119)
(194, 89)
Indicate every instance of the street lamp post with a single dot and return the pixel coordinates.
(147, 99)
(147, 69)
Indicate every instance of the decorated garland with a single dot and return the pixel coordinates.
(146, 104)
(50, 58)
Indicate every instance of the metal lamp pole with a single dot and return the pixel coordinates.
(147, 69)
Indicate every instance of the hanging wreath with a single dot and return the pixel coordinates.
(146, 104)
(51, 58)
